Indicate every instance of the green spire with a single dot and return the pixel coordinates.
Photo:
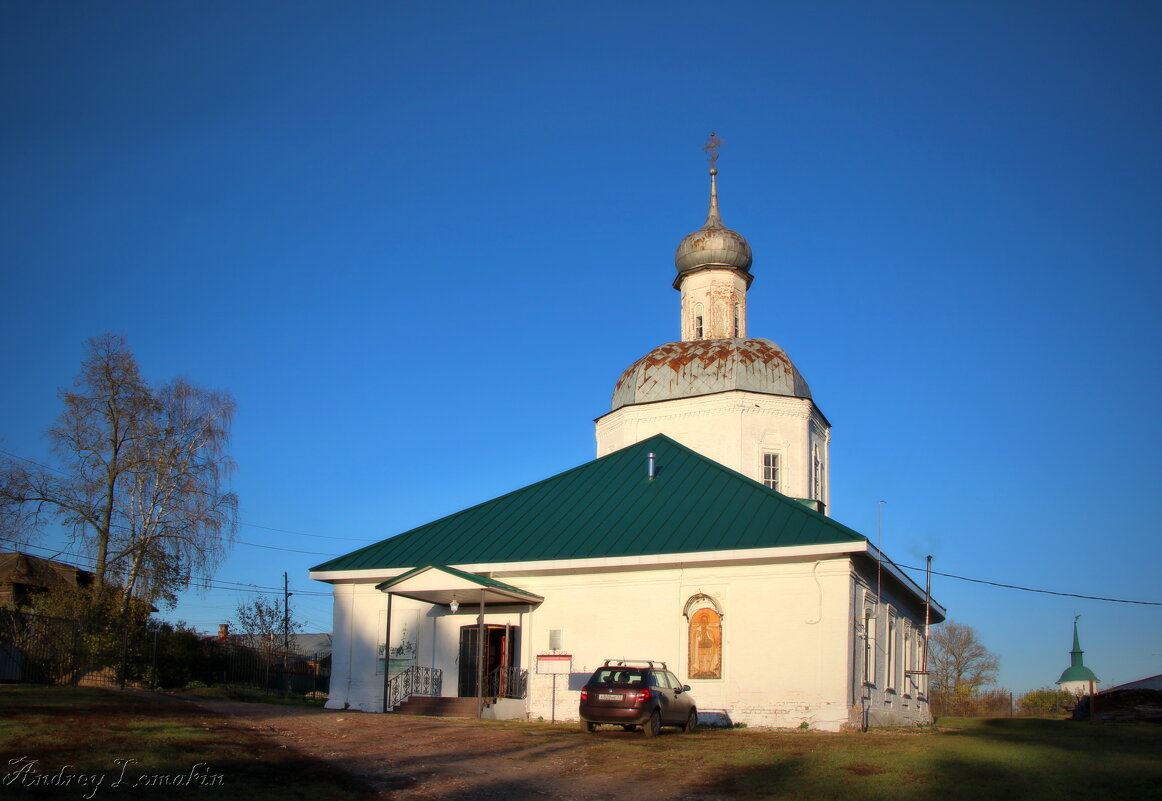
(1075, 656)
(1077, 671)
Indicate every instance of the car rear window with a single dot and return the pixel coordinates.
(617, 676)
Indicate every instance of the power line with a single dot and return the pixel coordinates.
(244, 523)
(305, 534)
(288, 550)
(1033, 589)
(195, 581)
(256, 588)
(32, 461)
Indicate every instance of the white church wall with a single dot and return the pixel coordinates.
(784, 636)
(792, 643)
(719, 298)
(734, 428)
(360, 621)
(356, 681)
(884, 692)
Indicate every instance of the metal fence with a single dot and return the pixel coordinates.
(34, 648)
(46, 650)
(233, 664)
(987, 704)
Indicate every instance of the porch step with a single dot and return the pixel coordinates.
(436, 707)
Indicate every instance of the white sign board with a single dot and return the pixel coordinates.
(555, 663)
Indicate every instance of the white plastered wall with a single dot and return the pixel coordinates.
(883, 693)
(360, 614)
(787, 639)
(716, 294)
(733, 428)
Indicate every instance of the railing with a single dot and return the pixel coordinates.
(416, 680)
(508, 682)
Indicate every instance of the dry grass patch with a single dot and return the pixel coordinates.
(68, 743)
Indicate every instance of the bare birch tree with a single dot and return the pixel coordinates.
(142, 476)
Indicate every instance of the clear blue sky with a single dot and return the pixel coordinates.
(419, 242)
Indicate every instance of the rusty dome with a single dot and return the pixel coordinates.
(706, 366)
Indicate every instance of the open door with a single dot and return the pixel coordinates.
(499, 652)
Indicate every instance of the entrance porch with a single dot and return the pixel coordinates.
(487, 669)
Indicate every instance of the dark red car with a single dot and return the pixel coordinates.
(631, 693)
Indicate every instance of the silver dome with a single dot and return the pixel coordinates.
(713, 245)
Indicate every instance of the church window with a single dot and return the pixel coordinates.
(909, 662)
(737, 319)
(817, 475)
(922, 661)
(771, 470)
(869, 640)
(698, 321)
(892, 656)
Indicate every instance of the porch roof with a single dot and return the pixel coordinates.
(440, 584)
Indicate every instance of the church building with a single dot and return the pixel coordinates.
(699, 536)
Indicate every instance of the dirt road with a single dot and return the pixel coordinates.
(413, 758)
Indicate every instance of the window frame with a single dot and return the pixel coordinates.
(891, 656)
(870, 607)
(764, 467)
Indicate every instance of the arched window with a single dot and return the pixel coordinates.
(869, 638)
(698, 321)
(705, 638)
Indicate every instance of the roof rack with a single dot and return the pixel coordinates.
(652, 664)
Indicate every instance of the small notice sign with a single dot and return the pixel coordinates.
(555, 663)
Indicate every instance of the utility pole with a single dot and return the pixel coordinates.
(286, 594)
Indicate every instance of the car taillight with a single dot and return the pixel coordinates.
(643, 697)
(584, 693)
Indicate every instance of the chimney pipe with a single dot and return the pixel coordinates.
(651, 467)
(223, 632)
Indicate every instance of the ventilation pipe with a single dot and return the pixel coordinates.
(651, 467)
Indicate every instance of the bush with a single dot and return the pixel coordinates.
(1046, 701)
(985, 704)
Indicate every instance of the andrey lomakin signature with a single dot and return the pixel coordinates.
(26, 772)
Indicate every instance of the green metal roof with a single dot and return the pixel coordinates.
(470, 578)
(610, 508)
(1076, 673)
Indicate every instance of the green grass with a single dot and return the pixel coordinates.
(1025, 760)
(76, 733)
(251, 695)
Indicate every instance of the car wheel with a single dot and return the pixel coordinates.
(653, 725)
(691, 722)
(586, 726)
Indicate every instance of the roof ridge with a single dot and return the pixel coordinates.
(605, 508)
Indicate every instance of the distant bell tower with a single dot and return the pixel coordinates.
(1077, 678)
(737, 400)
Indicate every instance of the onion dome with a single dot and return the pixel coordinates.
(706, 366)
(713, 245)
